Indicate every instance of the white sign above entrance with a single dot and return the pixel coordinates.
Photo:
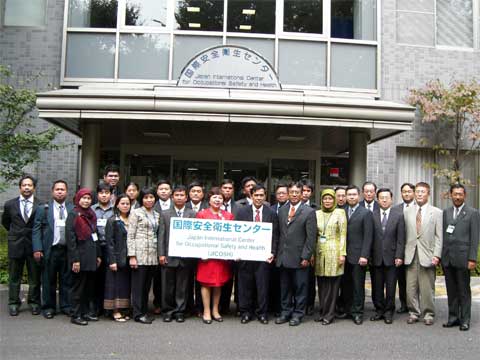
(229, 66)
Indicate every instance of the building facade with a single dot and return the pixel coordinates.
(345, 67)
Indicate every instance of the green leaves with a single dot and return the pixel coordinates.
(20, 144)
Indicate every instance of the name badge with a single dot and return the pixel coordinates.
(60, 222)
(323, 239)
(94, 237)
(450, 229)
(101, 222)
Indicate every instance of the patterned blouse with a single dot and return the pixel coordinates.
(142, 235)
(331, 242)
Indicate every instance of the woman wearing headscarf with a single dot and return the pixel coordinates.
(84, 256)
(330, 254)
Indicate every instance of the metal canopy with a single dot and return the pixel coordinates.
(68, 107)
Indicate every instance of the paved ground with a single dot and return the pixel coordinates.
(29, 337)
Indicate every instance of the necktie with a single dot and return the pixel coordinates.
(225, 205)
(384, 220)
(350, 212)
(455, 213)
(179, 213)
(369, 207)
(419, 220)
(291, 214)
(61, 228)
(407, 205)
(257, 215)
(25, 209)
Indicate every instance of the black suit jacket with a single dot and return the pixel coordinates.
(116, 239)
(268, 215)
(203, 205)
(461, 245)
(359, 235)
(164, 237)
(158, 207)
(275, 207)
(19, 231)
(375, 204)
(297, 238)
(388, 245)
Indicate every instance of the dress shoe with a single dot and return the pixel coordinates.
(388, 320)
(341, 315)
(281, 320)
(263, 319)
(326, 322)
(358, 320)
(402, 310)
(207, 321)
(412, 320)
(48, 314)
(167, 318)
(35, 310)
(78, 321)
(428, 322)
(295, 321)
(144, 319)
(318, 318)
(13, 310)
(90, 317)
(217, 319)
(450, 324)
(309, 311)
(245, 319)
(376, 317)
(464, 327)
(180, 318)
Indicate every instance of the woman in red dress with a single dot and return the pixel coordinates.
(212, 274)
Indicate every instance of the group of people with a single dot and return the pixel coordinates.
(107, 250)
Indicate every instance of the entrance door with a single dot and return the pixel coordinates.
(237, 170)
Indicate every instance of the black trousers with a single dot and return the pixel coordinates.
(175, 289)
(312, 291)
(402, 285)
(83, 293)
(327, 295)
(459, 294)
(141, 283)
(55, 269)
(294, 291)
(100, 275)
(15, 272)
(157, 287)
(384, 282)
(253, 279)
(354, 289)
(341, 298)
(230, 287)
(274, 294)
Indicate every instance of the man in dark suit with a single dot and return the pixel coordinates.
(407, 191)
(341, 197)
(176, 271)
(369, 189)
(50, 250)
(281, 196)
(359, 246)
(254, 276)
(227, 189)
(195, 197)
(298, 234)
(18, 218)
(388, 253)
(164, 192)
(248, 182)
(459, 256)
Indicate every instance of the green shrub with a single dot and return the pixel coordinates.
(3, 256)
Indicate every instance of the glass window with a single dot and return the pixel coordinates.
(90, 55)
(415, 28)
(147, 170)
(92, 13)
(188, 171)
(146, 13)
(297, 56)
(144, 56)
(455, 23)
(201, 15)
(334, 171)
(251, 16)
(416, 5)
(264, 47)
(354, 66)
(303, 16)
(25, 12)
(354, 19)
(186, 47)
(237, 170)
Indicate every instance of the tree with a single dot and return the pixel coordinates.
(20, 146)
(454, 112)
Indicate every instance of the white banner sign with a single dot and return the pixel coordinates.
(220, 239)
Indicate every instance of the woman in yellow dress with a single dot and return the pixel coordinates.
(330, 254)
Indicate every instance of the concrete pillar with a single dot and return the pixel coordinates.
(90, 154)
(358, 156)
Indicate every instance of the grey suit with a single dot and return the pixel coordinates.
(419, 251)
(388, 245)
(176, 282)
(297, 242)
(459, 247)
